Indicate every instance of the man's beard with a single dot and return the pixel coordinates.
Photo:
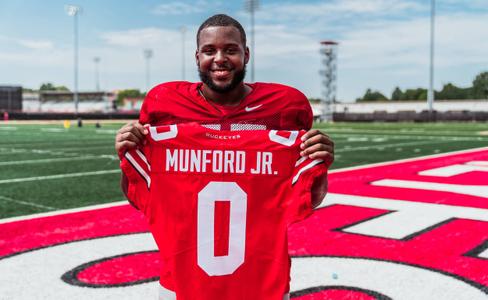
(238, 78)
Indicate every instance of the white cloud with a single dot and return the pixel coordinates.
(382, 44)
(337, 9)
(406, 43)
(144, 37)
(180, 8)
(36, 44)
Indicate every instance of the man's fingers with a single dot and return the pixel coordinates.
(126, 145)
(317, 139)
(135, 127)
(143, 130)
(309, 134)
(129, 136)
(327, 157)
(316, 148)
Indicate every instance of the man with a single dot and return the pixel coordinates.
(223, 101)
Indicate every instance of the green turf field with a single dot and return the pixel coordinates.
(45, 167)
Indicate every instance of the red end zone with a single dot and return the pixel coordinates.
(446, 174)
(345, 250)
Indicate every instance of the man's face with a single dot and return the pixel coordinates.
(221, 58)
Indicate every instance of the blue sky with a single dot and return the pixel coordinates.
(382, 43)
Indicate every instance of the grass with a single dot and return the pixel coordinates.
(40, 150)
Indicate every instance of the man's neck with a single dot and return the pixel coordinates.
(231, 98)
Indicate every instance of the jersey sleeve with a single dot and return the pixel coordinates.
(145, 115)
(306, 173)
(298, 113)
(136, 166)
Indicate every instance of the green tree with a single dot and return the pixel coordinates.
(397, 94)
(450, 91)
(371, 95)
(62, 88)
(314, 100)
(415, 94)
(131, 93)
(47, 87)
(51, 87)
(480, 86)
(422, 95)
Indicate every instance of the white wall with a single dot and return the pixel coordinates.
(417, 106)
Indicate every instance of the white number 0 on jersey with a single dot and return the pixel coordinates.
(219, 191)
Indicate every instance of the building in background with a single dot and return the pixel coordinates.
(62, 102)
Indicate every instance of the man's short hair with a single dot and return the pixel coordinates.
(222, 20)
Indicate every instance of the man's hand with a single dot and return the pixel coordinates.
(129, 137)
(318, 145)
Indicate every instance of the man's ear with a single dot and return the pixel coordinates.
(197, 59)
(247, 55)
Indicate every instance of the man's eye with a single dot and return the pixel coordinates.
(231, 51)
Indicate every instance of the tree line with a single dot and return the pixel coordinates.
(478, 90)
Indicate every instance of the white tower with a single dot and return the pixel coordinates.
(329, 72)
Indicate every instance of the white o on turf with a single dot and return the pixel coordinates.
(394, 280)
(37, 274)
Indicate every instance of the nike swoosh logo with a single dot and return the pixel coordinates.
(251, 108)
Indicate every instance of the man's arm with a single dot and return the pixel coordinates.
(318, 145)
(128, 137)
(319, 190)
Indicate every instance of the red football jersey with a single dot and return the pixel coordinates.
(219, 203)
(268, 106)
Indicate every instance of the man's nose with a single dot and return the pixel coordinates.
(220, 57)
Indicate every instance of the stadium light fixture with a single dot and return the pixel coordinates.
(251, 6)
(183, 32)
(148, 54)
(430, 94)
(74, 11)
(96, 60)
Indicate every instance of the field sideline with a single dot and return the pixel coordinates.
(46, 167)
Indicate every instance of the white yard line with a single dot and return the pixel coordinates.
(124, 202)
(27, 203)
(36, 151)
(86, 148)
(46, 160)
(389, 145)
(39, 144)
(64, 211)
(404, 160)
(412, 137)
(53, 130)
(396, 132)
(8, 151)
(58, 176)
(106, 131)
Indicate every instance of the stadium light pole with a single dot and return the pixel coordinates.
(96, 60)
(74, 11)
(183, 32)
(251, 6)
(148, 54)
(430, 95)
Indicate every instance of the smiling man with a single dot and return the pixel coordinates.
(223, 101)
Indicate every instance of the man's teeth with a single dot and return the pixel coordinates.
(221, 72)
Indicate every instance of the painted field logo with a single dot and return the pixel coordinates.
(415, 229)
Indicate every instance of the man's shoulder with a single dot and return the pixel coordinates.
(171, 87)
(279, 90)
